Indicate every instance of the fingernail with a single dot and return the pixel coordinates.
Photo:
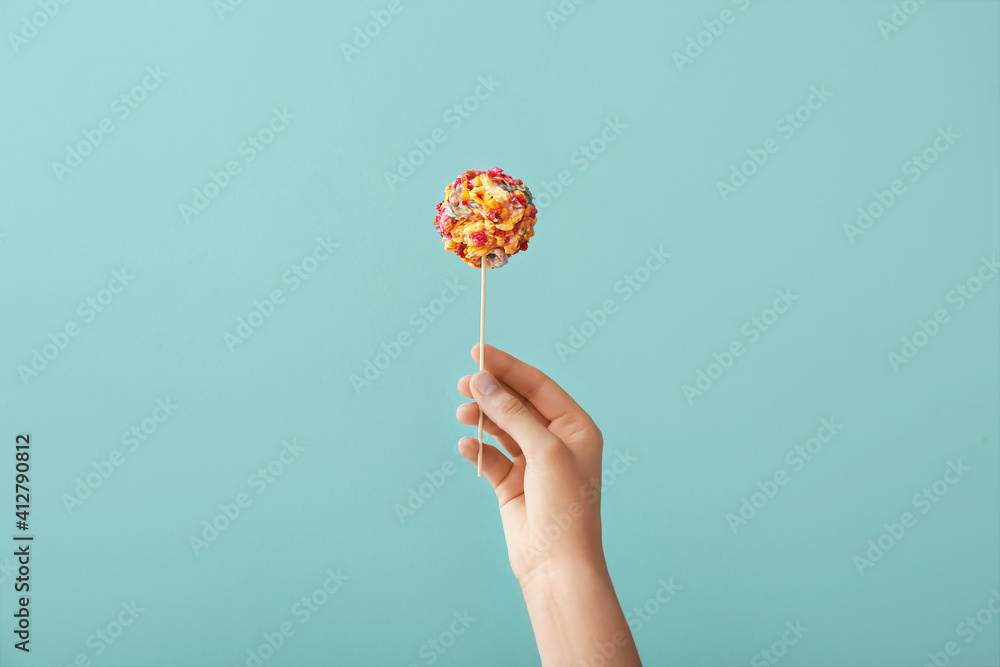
(485, 383)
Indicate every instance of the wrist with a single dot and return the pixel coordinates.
(576, 616)
(559, 579)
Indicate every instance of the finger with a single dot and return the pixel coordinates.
(512, 415)
(468, 413)
(532, 384)
(495, 465)
(463, 388)
(506, 478)
(538, 389)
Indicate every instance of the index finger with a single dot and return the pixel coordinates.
(549, 398)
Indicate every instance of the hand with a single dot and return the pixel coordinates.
(555, 464)
(549, 496)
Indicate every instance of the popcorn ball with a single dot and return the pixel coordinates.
(486, 216)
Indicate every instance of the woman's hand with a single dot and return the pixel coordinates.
(549, 496)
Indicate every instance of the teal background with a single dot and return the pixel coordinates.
(337, 505)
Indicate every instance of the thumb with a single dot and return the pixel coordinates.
(511, 414)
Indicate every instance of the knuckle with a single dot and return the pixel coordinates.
(595, 433)
(583, 430)
(510, 407)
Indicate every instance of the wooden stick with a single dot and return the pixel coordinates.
(482, 358)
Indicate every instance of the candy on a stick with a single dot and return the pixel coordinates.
(486, 214)
(486, 217)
